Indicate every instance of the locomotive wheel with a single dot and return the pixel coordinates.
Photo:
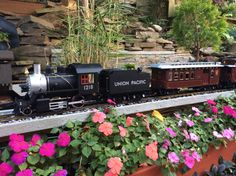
(26, 111)
(79, 101)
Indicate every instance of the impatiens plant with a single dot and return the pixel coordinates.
(111, 145)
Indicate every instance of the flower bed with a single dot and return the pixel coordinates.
(113, 145)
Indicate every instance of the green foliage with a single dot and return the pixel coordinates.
(198, 24)
(3, 37)
(95, 32)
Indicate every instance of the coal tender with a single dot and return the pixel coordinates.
(124, 84)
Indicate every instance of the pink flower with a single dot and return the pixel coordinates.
(185, 153)
(186, 135)
(194, 137)
(166, 144)
(106, 128)
(47, 149)
(196, 110)
(17, 143)
(229, 111)
(63, 139)
(214, 109)
(5, 169)
(110, 101)
(98, 117)
(151, 151)
(171, 132)
(115, 165)
(140, 115)
(207, 120)
(228, 133)
(197, 114)
(26, 172)
(35, 139)
(173, 157)
(196, 156)
(109, 173)
(123, 131)
(177, 115)
(217, 135)
(189, 123)
(147, 124)
(61, 172)
(129, 121)
(211, 102)
(19, 158)
(189, 161)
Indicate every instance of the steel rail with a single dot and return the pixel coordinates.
(48, 122)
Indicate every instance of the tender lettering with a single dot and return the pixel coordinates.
(127, 83)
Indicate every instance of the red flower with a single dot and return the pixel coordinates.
(63, 139)
(214, 109)
(123, 131)
(98, 117)
(115, 165)
(35, 139)
(47, 149)
(106, 128)
(211, 102)
(17, 143)
(110, 101)
(129, 121)
(151, 151)
(109, 173)
(140, 115)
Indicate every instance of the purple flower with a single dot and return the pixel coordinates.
(173, 157)
(171, 132)
(207, 120)
(189, 123)
(189, 162)
(228, 133)
(196, 156)
(217, 135)
(19, 158)
(166, 144)
(194, 137)
(26, 172)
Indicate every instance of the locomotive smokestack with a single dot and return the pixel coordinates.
(37, 69)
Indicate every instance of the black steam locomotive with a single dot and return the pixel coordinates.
(80, 84)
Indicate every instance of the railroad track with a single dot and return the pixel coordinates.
(23, 124)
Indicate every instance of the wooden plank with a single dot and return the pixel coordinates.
(6, 55)
(32, 51)
(53, 121)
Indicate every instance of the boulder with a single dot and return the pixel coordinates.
(164, 41)
(157, 28)
(147, 34)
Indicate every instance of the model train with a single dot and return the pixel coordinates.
(79, 84)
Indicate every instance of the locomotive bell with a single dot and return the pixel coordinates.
(37, 82)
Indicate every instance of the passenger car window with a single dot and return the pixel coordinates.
(87, 79)
(176, 76)
(187, 75)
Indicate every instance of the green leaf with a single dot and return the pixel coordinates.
(55, 130)
(75, 143)
(91, 143)
(98, 173)
(69, 124)
(34, 149)
(86, 151)
(62, 152)
(97, 147)
(23, 166)
(33, 159)
(5, 155)
(75, 134)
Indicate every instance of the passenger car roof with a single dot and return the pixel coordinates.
(185, 65)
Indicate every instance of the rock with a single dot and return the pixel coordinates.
(128, 45)
(128, 1)
(133, 48)
(168, 46)
(151, 40)
(157, 28)
(147, 44)
(164, 41)
(151, 29)
(147, 34)
(19, 31)
(23, 62)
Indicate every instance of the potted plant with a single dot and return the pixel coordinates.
(112, 145)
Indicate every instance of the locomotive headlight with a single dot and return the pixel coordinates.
(37, 82)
